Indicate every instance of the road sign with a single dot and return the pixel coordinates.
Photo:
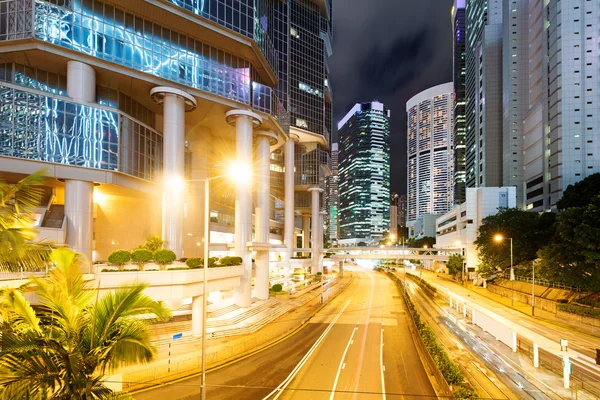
(177, 336)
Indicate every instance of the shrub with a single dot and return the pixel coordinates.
(464, 393)
(164, 257)
(588, 302)
(119, 258)
(141, 256)
(231, 261)
(195, 262)
(319, 273)
(580, 310)
(277, 287)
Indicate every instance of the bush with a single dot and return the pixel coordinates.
(319, 273)
(464, 393)
(588, 302)
(231, 261)
(141, 256)
(164, 257)
(153, 243)
(195, 262)
(277, 287)
(119, 258)
(580, 310)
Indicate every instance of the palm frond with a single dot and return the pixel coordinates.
(22, 316)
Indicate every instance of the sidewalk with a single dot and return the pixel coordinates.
(177, 360)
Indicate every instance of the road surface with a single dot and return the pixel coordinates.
(357, 347)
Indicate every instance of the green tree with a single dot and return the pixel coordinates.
(455, 264)
(529, 232)
(153, 244)
(581, 193)
(18, 247)
(573, 256)
(420, 243)
(65, 347)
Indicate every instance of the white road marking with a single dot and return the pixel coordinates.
(337, 376)
(281, 388)
(382, 367)
(344, 366)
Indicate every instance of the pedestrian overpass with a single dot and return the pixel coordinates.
(392, 253)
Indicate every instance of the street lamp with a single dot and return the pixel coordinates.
(500, 238)
(239, 174)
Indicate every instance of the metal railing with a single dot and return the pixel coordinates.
(541, 282)
(23, 274)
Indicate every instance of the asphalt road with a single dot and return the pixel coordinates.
(356, 347)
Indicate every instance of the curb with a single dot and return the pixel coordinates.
(244, 355)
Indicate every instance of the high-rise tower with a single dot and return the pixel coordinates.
(459, 70)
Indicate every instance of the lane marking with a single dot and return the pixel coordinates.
(337, 376)
(382, 367)
(344, 366)
(281, 388)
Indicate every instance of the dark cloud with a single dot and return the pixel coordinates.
(389, 50)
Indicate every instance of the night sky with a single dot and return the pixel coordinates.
(389, 50)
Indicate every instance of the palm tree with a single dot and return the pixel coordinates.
(64, 348)
(18, 249)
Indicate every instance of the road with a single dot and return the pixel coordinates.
(357, 347)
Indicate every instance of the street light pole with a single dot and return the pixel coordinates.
(204, 302)
(533, 290)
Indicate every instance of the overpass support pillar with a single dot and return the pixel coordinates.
(536, 355)
(197, 305)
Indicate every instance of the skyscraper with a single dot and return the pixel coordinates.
(429, 148)
(364, 173)
(459, 71)
(562, 120)
(394, 215)
(483, 91)
(332, 195)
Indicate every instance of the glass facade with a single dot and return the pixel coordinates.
(364, 172)
(459, 102)
(45, 127)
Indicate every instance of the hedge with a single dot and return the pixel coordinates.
(119, 258)
(580, 310)
(278, 287)
(195, 262)
(231, 261)
(422, 282)
(588, 302)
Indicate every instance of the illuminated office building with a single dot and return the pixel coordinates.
(430, 152)
(130, 105)
(459, 71)
(364, 173)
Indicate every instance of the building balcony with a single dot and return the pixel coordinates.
(40, 126)
(149, 52)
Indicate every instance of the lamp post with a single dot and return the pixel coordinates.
(533, 289)
(464, 264)
(422, 263)
(239, 174)
(500, 238)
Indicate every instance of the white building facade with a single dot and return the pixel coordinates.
(458, 228)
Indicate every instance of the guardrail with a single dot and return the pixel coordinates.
(541, 282)
(22, 274)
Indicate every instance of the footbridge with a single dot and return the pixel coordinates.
(392, 253)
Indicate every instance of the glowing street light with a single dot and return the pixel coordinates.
(499, 238)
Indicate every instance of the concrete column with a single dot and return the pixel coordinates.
(305, 231)
(197, 306)
(322, 215)
(536, 355)
(175, 102)
(244, 121)
(81, 82)
(473, 316)
(465, 310)
(315, 192)
(289, 212)
(514, 342)
(450, 301)
(263, 206)
(79, 210)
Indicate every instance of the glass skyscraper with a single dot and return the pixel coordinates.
(459, 70)
(364, 173)
(430, 152)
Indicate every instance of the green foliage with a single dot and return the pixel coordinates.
(573, 256)
(529, 232)
(230, 261)
(164, 257)
(195, 262)
(141, 256)
(319, 273)
(153, 244)
(455, 264)
(464, 393)
(18, 248)
(581, 193)
(422, 282)
(580, 310)
(361, 244)
(119, 258)
(278, 287)
(587, 302)
(420, 243)
(64, 348)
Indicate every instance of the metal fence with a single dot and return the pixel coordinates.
(541, 282)
(23, 274)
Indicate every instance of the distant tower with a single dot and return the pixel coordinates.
(364, 171)
(332, 194)
(459, 69)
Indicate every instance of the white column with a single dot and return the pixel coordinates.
(473, 316)
(79, 210)
(536, 355)
(263, 207)
(450, 301)
(465, 310)
(566, 372)
(176, 102)
(305, 231)
(81, 82)
(197, 306)
(244, 121)
(322, 215)
(289, 211)
(514, 342)
(316, 192)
